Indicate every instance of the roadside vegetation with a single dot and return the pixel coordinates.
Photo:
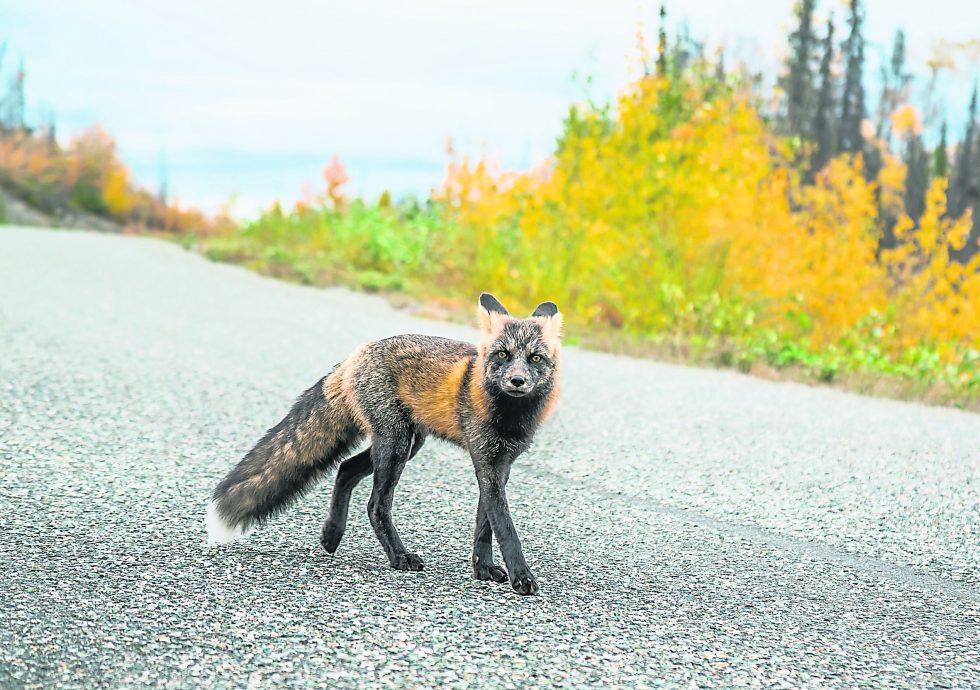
(796, 232)
(78, 180)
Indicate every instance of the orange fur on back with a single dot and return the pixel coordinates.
(433, 399)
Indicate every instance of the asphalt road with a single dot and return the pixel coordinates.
(688, 527)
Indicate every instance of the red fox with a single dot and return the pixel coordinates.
(488, 399)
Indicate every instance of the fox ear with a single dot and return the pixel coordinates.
(491, 312)
(545, 309)
(491, 303)
(551, 320)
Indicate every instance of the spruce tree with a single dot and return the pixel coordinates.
(940, 157)
(684, 49)
(3, 97)
(720, 73)
(898, 59)
(662, 42)
(964, 183)
(825, 123)
(852, 99)
(973, 197)
(163, 190)
(50, 132)
(894, 87)
(797, 84)
(12, 117)
(962, 178)
(916, 177)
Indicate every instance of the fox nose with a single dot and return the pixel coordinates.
(517, 381)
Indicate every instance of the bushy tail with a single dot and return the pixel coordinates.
(318, 433)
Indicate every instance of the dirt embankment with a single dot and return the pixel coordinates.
(14, 211)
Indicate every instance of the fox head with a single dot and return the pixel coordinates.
(520, 356)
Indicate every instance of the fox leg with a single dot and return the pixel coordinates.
(351, 472)
(492, 475)
(483, 567)
(389, 455)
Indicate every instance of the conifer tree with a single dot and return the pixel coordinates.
(940, 157)
(894, 87)
(797, 83)
(852, 98)
(963, 164)
(720, 73)
(916, 177)
(686, 49)
(163, 191)
(3, 97)
(662, 42)
(825, 122)
(12, 115)
(964, 184)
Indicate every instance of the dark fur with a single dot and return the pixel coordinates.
(488, 400)
(284, 463)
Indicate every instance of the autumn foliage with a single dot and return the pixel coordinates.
(680, 215)
(86, 175)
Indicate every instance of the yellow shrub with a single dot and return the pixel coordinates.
(116, 192)
(839, 281)
(937, 299)
(661, 216)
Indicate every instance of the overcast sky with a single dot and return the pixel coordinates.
(253, 98)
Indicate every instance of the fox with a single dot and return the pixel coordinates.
(489, 399)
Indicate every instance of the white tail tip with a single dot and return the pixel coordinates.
(219, 531)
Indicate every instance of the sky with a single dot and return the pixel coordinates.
(249, 100)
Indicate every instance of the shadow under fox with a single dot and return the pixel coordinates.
(489, 399)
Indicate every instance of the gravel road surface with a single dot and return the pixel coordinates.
(689, 528)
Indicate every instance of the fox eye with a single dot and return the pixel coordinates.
(501, 355)
(535, 358)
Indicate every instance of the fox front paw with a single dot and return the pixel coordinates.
(524, 583)
(408, 561)
(490, 572)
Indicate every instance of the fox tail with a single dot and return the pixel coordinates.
(317, 434)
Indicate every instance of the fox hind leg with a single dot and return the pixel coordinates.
(349, 475)
(389, 455)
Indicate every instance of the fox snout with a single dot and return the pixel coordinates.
(517, 384)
